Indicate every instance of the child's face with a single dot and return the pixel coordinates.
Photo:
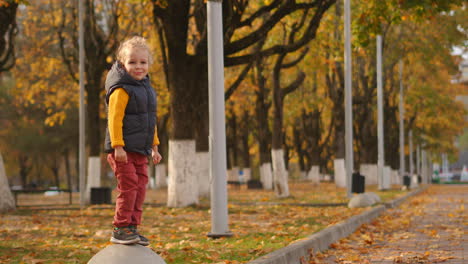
(136, 63)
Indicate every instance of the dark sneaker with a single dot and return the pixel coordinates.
(143, 240)
(124, 235)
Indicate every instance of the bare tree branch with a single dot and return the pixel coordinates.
(294, 85)
(8, 31)
(238, 81)
(309, 33)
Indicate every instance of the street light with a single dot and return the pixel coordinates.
(402, 124)
(81, 143)
(380, 124)
(349, 159)
(217, 139)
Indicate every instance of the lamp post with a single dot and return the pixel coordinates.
(411, 163)
(81, 143)
(349, 159)
(217, 138)
(380, 124)
(402, 125)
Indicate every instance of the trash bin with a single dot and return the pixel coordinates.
(100, 195)
(359, 183)
(406, 181)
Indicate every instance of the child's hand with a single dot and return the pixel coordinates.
(120, 154)
(155, 155)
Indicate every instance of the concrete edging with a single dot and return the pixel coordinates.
(321, 240)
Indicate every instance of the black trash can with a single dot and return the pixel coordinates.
(100, 195)
(406, 181)
(359, 183)
(254, 184)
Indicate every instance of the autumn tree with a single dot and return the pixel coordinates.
(263, 103)
(280, 92)
(101, 24)
(406, 35)
(182, 26)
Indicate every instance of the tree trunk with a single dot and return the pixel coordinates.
(8, 31)
(182, 186)
(298, 138)
(7, 202)
(187, 73)
(262, 107)
(280, 174)
(55, 171)
(24, 169)
(67, 169)
(244, 138)
(202, 174)
(335, 85)
(160, 175)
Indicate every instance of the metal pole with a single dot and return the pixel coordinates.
(380, 117)
(411, 163)
(424, 169)
(219, 211)
(418, 160)
(82, 158)
(348, 98)
(402, 127)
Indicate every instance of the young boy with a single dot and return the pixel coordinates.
(131, 135)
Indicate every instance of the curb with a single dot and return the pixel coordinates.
(300, 251)
(400, 200)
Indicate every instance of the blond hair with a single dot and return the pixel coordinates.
(134, 42)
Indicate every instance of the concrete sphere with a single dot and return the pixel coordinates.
(125, 254)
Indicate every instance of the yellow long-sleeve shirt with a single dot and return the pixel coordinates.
(117, 103)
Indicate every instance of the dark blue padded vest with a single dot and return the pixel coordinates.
(140, 114)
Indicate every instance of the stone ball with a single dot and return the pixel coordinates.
(125, 254)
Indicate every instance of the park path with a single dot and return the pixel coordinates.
(428, 228)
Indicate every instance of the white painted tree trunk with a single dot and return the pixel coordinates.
(94, 176)
(396, 177)
(280, 174)
(414, 181)
(266, 176)
(7, 201)
(386, 178)
(160, 174)
(314, 175)
(340, 172)
(202, 166)
(370, 171)
(182, 189)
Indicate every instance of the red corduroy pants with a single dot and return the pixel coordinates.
(132, 178)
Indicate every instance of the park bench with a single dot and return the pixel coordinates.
(235, 184)
(16, 192)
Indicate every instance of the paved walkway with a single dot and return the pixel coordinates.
(429, 228)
